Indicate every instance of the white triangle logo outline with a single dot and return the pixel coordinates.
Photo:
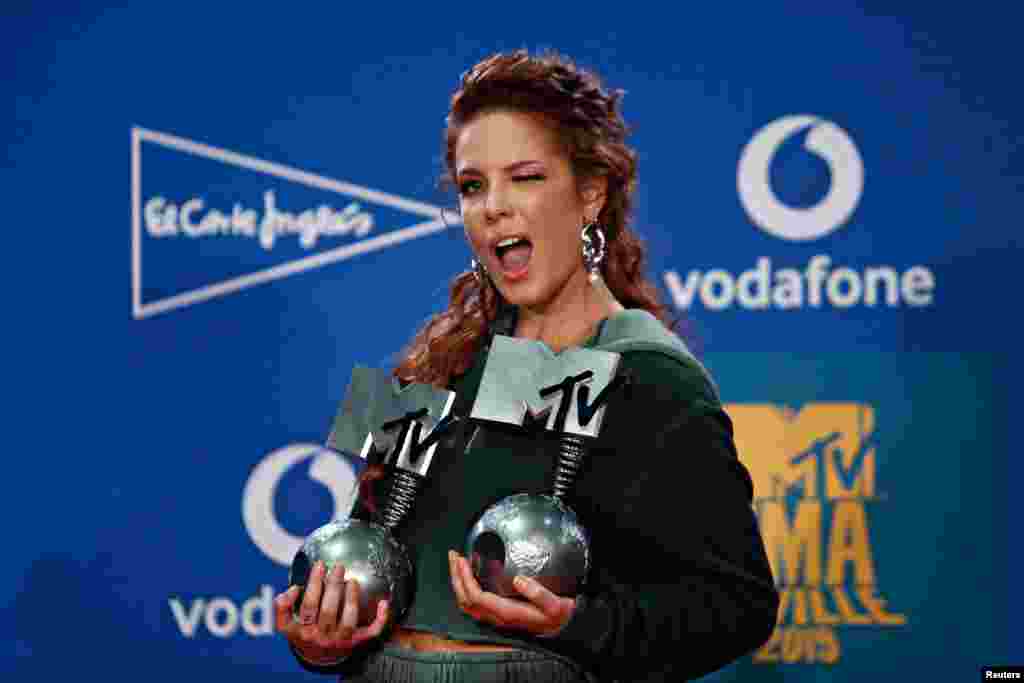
(141, 310)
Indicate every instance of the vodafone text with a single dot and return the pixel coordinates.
(221, 617)
(762, 288)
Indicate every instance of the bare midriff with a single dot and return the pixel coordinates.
(424, 641)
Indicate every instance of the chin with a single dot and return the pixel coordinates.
(534, 293)
(514, 300)
(523, 295)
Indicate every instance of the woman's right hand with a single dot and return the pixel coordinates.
(326, 630)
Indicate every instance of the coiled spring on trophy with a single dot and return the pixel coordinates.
(401, 495)
(570, 460)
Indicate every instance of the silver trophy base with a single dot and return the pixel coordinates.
(370, 554)
(531, 535)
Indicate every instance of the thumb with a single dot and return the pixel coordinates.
(546, 601)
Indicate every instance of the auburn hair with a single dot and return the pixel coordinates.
(588, 125)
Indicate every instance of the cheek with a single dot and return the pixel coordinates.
(561, 228)
(564, 240)
(474, 235)
(568, 249)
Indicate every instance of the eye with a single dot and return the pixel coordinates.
(535, 176)
(468, 187)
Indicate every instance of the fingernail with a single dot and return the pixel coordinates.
(520, 582)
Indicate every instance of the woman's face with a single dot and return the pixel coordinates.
(521, 206)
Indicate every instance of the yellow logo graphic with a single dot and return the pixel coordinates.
(814, 482)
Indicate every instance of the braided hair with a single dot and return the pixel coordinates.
(589, 127)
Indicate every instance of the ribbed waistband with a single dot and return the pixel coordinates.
(396, 664)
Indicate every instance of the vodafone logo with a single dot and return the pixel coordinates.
(833, 146)
(226, 616)
(775, 282)
(325, 466)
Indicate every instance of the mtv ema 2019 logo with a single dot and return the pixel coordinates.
(821, 281)
(814, 473)
(207, 222)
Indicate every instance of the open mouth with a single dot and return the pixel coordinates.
(514, 254)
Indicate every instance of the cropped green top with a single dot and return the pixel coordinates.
(680, 584)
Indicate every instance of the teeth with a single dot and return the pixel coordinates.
(509, 241)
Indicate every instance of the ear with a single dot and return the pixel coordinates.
(593, 192)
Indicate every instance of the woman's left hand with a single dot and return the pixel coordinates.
(543, 615)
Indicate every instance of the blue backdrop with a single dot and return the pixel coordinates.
(232, 206)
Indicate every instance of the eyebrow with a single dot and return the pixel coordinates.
(511, 167)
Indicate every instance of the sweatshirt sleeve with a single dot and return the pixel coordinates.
(681, 584)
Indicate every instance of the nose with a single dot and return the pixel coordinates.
(495, 206)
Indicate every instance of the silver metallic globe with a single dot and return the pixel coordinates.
(370, 554)
(532, 535)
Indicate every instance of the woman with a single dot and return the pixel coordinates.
(681, 585)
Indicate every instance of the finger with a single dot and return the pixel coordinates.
(556, 609)
(334, 589)
(350, 613)
(377, 627)
(470, 586)
(481, 604)
(534, 591)
(459, 584)
(496, 609)
(311, 600)
(283, 609)
(456, 577)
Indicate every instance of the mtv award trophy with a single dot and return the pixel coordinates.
(398, 429)
(532, 534)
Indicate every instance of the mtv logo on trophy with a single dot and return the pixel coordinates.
(533, 534)
(396, 428)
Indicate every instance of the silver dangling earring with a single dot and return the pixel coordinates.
(479, 272)
(594, 249)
